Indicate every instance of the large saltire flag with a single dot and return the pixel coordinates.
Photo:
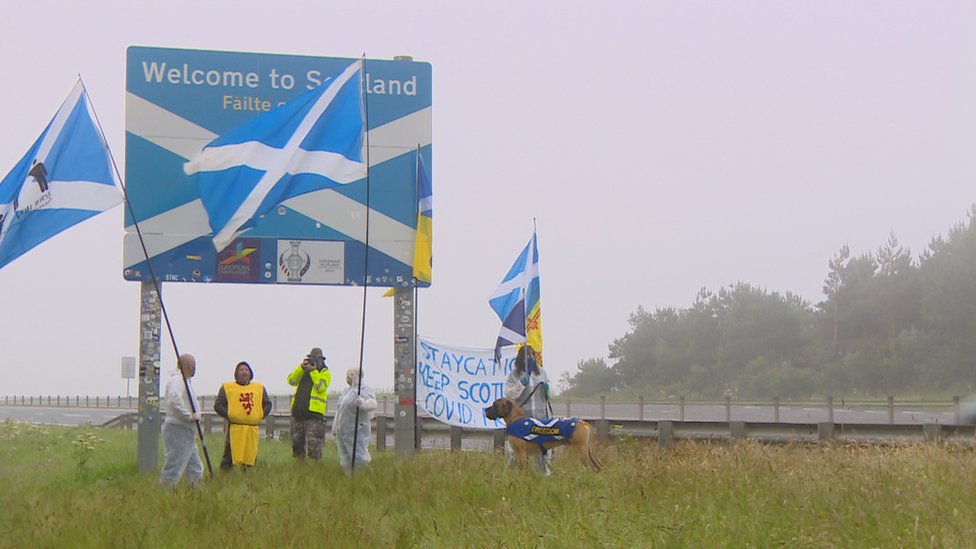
(423, 244)
(312, 142)
(517, 302)
(65, 178)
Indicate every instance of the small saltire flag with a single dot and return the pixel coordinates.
(517, 302)
(65, 178)
(312, 142)
(423, 244)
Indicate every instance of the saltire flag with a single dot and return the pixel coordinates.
(423, 244)
(517, 302)
(313, 142)
(65, 178)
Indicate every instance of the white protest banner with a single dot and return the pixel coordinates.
(456, 384)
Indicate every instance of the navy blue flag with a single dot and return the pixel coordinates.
(312, 142)
(65, 178)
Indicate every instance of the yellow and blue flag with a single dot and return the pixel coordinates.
(65, 178)
(517, 302)
(423, 244)
(312, 142)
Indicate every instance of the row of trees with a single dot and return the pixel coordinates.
(889, 323)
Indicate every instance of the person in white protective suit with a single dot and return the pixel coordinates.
(345, 424)
(528, 385)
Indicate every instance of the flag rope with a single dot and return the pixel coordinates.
(152, 275)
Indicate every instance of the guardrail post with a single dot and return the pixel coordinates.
(603, 407)
(207, 423)
(269, 426)
(381, 430)
(418, 432)
(932, 431)
(384, 406)
(775, 409)
(825, 431)
(568, 412)
(640, 411)
(737, 430)
(681, 408)
(955, 405)
(455, 438)
(77, 401)
(891, 410)
(665, 434)
(498, 439)
(728, 408)
(830, 409)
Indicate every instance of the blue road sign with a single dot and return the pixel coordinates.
(179, 100)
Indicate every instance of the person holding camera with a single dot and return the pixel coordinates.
(308, 405)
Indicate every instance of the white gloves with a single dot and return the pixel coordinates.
(366, 405)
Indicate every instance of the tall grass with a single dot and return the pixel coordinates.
(78, 487)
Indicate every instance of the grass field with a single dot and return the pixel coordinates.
(78, 487)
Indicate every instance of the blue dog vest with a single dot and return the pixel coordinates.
(540, 431)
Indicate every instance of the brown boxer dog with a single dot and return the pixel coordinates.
(580, 440)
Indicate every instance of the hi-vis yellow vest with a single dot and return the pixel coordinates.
(244, 402)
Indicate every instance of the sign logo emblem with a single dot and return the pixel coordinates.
(295, 262)
(239, 262)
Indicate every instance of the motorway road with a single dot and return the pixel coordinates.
(59, 416)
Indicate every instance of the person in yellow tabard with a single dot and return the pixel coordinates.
(244, 404)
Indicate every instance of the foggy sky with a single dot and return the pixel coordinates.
(660, 147)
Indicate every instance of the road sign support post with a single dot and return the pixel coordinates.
(404, 372)
(150, 314)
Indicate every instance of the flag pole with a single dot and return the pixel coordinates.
(364, 97)
(535, 249)
(152, 275)
(416, 297)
